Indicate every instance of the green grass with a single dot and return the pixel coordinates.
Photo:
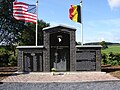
(112, 48)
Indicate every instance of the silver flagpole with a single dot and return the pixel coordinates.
(36, 21)
(81, 24)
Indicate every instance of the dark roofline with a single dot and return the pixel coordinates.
(62, 26)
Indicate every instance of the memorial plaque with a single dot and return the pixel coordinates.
(27, 62)
(85, 60)
(32, 62)
(85, 65)
(86, 55)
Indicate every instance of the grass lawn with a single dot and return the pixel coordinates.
(112, 48)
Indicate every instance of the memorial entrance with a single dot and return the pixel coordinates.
(59, 51)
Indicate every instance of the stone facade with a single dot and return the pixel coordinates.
(30, 58)
(59, 51)
(88, 58)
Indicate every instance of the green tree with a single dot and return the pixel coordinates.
(103, 44)
(10, 28)
(28, 34)
(4, 55)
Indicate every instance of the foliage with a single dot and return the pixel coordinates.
(4, 55)
(12, 61)
(13, 31)
(103, 44)
(7, 57)
(9, 27)
(111, 58)
(78, 43)
(28, 34)
(104, 58)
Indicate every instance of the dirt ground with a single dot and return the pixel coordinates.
(7, 71)
(115, 74)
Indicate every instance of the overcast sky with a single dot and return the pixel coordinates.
(101, 18)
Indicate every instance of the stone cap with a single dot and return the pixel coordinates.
(61, 26)
(88, 46)
(21, 47)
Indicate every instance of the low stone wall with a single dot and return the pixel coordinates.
(30, 58)
(88, 58)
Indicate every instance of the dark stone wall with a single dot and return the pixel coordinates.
(72, 52)
(83, 58)
(30, 59)
(88, 58)
(80, 58)
(46, 52)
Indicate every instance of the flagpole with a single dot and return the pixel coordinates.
(81, 24)
(36, 21)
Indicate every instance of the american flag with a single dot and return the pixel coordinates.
(24, 12)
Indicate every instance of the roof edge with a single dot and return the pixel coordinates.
(60, 25)
(20, 47)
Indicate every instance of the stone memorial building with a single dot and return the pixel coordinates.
(59, 50)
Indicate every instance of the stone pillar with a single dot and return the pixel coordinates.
(34, 62)
(98, 60)
(20, 61)
(46, 53)
(72, 51)
(40, 62)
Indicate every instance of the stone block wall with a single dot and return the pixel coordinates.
(88, 58)
(30, 58)
(79, 58)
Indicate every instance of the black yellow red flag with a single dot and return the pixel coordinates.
(75, 13)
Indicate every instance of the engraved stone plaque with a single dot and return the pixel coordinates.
(85, 60)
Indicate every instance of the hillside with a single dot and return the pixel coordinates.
(97, 43)
(112, 48)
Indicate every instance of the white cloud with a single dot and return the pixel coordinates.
(114, 3)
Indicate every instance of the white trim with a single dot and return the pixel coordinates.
(18, 47)
(60, 26)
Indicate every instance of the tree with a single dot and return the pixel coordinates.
(28, 34)
(103, 44)
(4, 55)
(9, 27)
(14, 31)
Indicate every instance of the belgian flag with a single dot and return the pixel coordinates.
(75, 13)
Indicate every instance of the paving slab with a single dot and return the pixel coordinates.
(40, 77)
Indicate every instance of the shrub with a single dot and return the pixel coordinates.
(104, 58)
(115, 62)
(4, 55)
(12, 61)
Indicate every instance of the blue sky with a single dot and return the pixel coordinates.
(101, 18)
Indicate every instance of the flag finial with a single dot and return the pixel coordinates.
(80, 1)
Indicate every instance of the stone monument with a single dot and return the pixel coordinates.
(59, 51)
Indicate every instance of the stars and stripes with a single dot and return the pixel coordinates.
(24, 12)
